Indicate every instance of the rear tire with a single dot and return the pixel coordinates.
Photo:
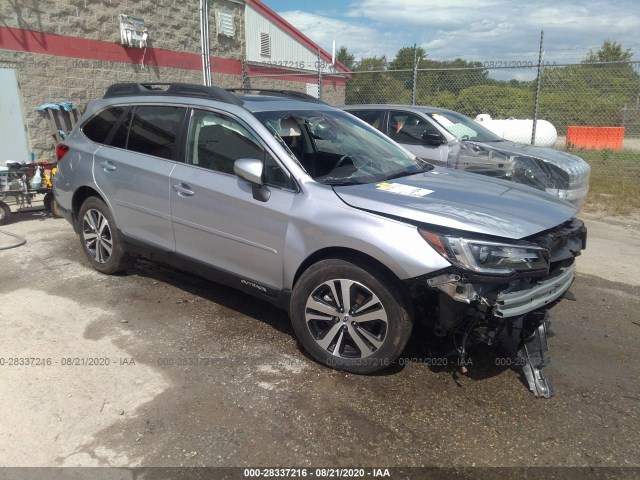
(100, 239)
(5, 213)
(55, 209)
(350, 318)
(51, 205)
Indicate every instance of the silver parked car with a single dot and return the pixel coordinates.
(301, 204)
(450, 139)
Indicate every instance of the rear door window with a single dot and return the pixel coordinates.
(154, 130)
(375, 118)
(98, 128)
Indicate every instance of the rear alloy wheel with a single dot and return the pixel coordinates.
(349, 319)
(99, 237)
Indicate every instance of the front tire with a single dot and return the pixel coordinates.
(350, 318)
(100, 239)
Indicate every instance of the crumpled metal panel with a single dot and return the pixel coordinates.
(553, 171)
(524, 298)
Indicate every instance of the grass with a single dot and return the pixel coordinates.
(614, 187)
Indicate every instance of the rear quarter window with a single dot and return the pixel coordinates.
(97, 129)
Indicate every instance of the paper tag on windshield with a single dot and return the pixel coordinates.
(400, 189)
(442, 120)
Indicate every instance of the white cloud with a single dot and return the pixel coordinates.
(420, 12)
(483, 30)
(360, 40)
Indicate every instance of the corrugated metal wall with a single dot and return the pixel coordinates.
(285, 51)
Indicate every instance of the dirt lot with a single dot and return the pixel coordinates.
(192, 373)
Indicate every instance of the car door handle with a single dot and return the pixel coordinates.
(184, 190)
(107, 166)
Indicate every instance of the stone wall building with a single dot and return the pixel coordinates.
(71, 50)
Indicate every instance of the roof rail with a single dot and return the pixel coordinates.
(277, 93)
(174, 89)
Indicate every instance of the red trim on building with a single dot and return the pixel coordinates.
(293, 31)
(73, 47)
(19, 40)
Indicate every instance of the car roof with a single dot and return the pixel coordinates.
(389, 106)
(252, 99)
(266, 103)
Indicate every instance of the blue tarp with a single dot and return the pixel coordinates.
(66, 106)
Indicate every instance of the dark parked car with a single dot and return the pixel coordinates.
(450, 139)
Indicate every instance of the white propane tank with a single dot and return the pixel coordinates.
(520, 130)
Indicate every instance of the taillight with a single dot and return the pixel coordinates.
(61, 151)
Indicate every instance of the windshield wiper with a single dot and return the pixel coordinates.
(338, 181)
(405, 173)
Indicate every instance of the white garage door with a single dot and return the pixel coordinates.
(13, 135)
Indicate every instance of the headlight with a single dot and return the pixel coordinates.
(488, 257)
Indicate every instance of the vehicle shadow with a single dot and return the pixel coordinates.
(217, 293)
(35, 213)
(423, 348)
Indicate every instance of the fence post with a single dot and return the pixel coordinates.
(538, 81)
(319, 76)
(415, 74)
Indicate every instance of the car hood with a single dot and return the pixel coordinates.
(462, 201)
(557, 157)
(544, 168)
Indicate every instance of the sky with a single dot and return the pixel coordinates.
(479, 30)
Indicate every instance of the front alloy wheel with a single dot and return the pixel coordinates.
(346, 318)
(350, 317)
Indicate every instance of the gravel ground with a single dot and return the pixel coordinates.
(173, 370)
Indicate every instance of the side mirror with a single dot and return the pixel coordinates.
(249, 169)
(433, 139)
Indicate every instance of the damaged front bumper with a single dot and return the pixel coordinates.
(520, 309)
(477, 308)
(519, 300)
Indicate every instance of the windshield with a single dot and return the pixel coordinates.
(335, 148)
(463, 128)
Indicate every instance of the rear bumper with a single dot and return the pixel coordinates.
(67, 213)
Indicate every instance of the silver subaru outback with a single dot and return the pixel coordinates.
(289, 199)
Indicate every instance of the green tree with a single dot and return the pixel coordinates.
(499, 101)
(592, 93)
(371, 83)
(345, 58)
(610, 51)
(405, 58)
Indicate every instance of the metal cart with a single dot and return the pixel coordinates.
(17, 183)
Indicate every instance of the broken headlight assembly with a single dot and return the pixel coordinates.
(486, 257)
